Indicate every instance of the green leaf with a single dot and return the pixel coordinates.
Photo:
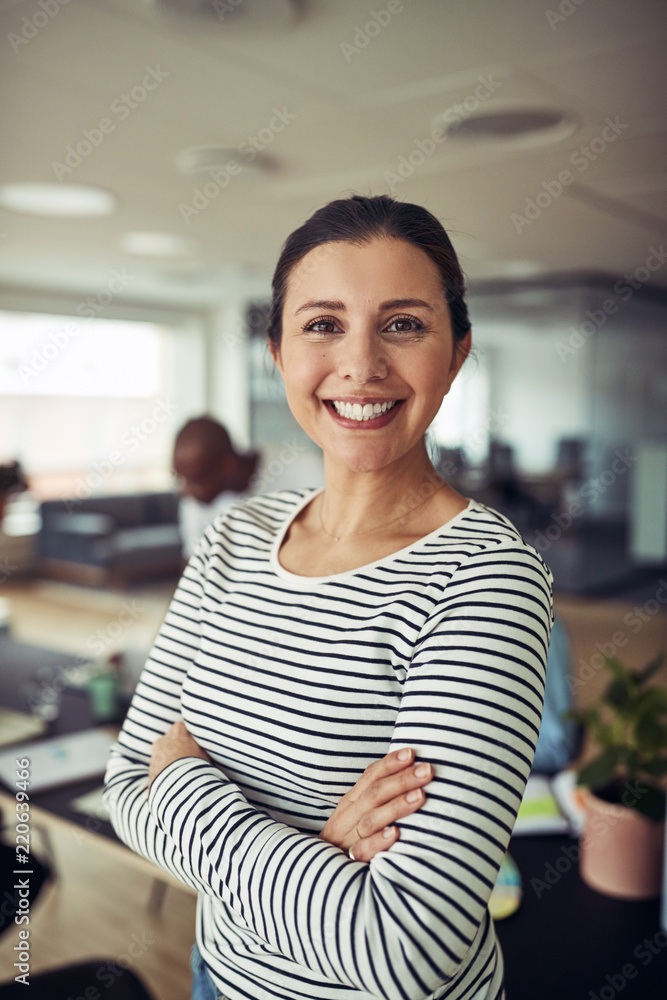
(651, 803)
(601, 770)
(650, 706)
(617, 694)
(630, 757)
(616, 668)
(649, 734)
(654, 700)
(602, 732)
(651, 668)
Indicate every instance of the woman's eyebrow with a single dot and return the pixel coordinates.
(340, 306)
(322, 304)
(406, 304)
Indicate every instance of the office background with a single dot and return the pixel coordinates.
(156, 153)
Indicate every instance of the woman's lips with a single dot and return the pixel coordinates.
(372, 423)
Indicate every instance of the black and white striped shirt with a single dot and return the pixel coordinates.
(294, 685)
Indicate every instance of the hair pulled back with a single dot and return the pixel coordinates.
(360, 219)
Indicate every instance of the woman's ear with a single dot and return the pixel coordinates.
(461, 352)
(275, 354)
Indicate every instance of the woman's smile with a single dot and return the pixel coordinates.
(362, 413)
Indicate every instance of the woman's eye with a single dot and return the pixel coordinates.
(322, 326)
(405, 324)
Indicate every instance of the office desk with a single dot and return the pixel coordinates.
(51, 809)
(568, 942)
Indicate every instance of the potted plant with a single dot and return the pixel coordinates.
(623, 843)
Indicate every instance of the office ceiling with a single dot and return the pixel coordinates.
(341, 97)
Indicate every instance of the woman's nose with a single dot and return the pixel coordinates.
(362, 357)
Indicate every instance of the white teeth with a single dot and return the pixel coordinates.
(355, 411)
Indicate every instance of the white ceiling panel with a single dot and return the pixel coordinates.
(363, 101)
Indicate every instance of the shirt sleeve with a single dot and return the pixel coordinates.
(405, 924)
(156, 704)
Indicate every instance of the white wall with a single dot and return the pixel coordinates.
(227, 382)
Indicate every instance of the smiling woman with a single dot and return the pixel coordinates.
(339, 715)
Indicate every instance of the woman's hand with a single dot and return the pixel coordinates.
(389, 789)
(175, 743)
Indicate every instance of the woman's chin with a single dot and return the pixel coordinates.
(361, 460)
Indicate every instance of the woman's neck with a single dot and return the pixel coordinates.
(355, 502)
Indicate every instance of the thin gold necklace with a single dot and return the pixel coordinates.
(369, 531)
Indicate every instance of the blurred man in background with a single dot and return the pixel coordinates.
(212, 476)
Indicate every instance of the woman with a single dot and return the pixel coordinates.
(333, 653)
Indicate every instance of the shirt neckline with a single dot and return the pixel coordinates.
(297, 578)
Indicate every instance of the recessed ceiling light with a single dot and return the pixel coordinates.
(507, 124)
(231, 13)
(507, 268)
(65, 200)
(199, 159)
(155, 244)
(203, 159)
(189, 276)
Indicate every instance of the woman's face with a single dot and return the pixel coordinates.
(367, 351)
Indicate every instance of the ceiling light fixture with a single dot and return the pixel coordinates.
(231, 13)
(508, 125)
(156, 244)
(59, 200)
(203, 159)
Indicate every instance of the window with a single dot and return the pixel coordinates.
(91, 406)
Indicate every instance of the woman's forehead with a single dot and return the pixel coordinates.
(385, 267)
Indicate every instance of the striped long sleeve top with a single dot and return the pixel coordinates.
(294, 685)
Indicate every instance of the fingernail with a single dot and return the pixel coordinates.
(404, 754)
(422, 770)
(388, 832)
(414, 795)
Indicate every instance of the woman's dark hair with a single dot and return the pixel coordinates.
(358, 220)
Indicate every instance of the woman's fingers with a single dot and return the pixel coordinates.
(367, 848)
(391, 763)
(376, 820)
(387, 789)
(383, 786)
(377, 829)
